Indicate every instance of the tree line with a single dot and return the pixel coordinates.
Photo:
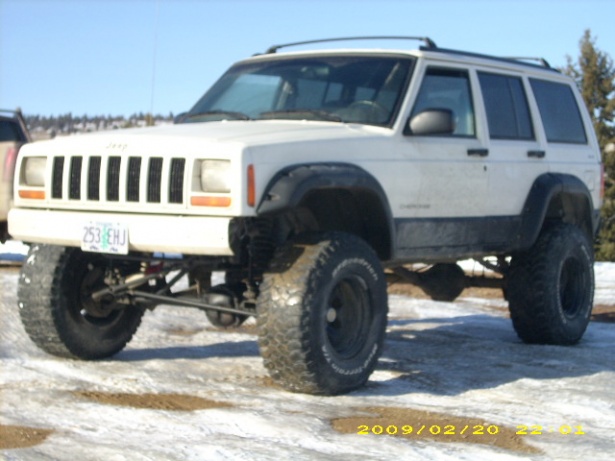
(69, 123)
(594, 73)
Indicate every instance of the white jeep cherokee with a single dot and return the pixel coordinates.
(311, 179)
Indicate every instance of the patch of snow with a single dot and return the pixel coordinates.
(460, 359)
(12, 250)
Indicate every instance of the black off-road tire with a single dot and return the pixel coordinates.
(322, 314)
(59, 315)
(550, 288)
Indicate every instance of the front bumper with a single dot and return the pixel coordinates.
(147, 233)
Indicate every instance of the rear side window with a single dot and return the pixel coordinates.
(508, 115)
(559, 112)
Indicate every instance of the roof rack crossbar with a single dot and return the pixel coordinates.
(429, 44)
(521, 61)
(542, 61)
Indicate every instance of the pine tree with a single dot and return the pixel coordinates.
(595, 74)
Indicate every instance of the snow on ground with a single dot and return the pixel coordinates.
(13, 251)
(457, 360)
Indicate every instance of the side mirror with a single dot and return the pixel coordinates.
(430, 122)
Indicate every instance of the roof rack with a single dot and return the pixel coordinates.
(429, 44)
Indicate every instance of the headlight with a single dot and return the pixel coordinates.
(33, 171)
(216, 176)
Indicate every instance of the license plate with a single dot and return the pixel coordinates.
(102, 237)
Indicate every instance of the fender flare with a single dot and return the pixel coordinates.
(544, 191)
(289, 186)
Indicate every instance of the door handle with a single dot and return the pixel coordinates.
(478, 152)
(536, 153)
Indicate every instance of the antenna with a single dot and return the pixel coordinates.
(151, 102)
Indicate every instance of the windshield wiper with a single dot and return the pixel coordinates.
(216, 115)
(300, 114)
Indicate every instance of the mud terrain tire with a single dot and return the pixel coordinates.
(322, 314)
(550, 287)
(57, 312)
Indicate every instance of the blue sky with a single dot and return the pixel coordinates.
(118, 57)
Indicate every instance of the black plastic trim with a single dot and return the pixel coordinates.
(290, 185)
(544, 190)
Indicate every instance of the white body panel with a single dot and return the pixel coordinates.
(151, 233)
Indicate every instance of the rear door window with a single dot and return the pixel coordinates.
(508, 114)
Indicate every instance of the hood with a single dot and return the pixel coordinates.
(173, 139)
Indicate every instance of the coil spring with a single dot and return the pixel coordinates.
(261, 245)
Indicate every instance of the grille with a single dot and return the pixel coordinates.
(118, 179)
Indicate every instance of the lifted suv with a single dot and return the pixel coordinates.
(13, 134)
(311, 179)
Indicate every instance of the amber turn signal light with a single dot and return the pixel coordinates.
(213, 201)
(32, 194)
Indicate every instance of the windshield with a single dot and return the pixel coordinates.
(356, 89)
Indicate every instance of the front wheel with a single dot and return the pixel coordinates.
(57, 309)
(322, 314)
(550, 288)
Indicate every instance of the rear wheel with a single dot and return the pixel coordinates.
(58, 311)
(551, 287)
(322, 314)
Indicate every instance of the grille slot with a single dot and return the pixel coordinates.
(94, 178)
(133, 180)
(56, 181)
(154, 180)
(113, 179)
(176, 182)
(74, 191)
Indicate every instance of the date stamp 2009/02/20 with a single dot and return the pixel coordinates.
(475, 429)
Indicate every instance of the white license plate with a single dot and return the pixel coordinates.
(102, 237)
